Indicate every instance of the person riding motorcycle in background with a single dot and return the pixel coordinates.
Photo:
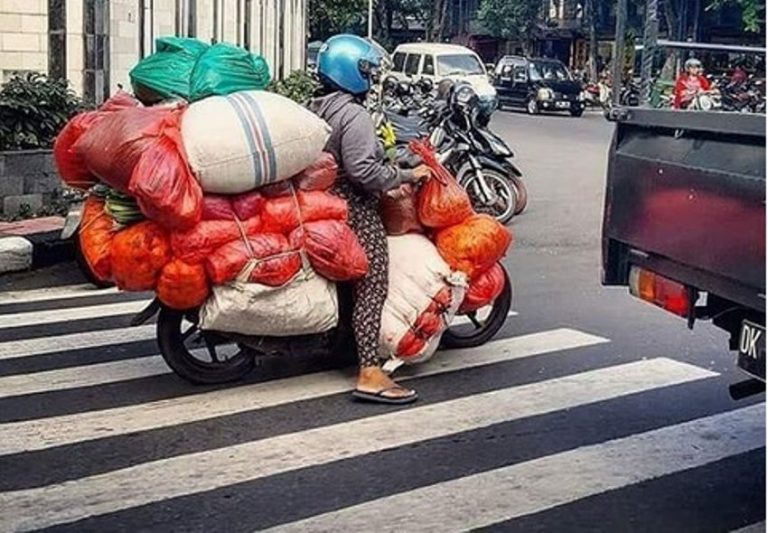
(347, 65)
(690, 83)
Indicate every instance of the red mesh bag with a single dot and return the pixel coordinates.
(442, 201)
(474, 245)
(182, 286)
(333, 249)
(164, 186)
(399, 212)
(276, 263)
(319, 176)
(113, 145)
(194, 245)
(483, 289)
(217, 207)
(95, 236)
(280, 215)
(138, 255)
(248, 204)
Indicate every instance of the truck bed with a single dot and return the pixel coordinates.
(685, 196)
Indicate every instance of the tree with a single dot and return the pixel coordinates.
(510, 19)
(327, 18)
(751, 11)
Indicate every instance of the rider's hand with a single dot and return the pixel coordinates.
(421, 173)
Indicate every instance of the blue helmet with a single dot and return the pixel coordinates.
(349, 62)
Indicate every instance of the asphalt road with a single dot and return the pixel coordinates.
(591, 411)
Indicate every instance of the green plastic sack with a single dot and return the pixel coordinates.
(225, 69)
(166, 73)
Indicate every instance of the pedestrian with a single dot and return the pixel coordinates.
(347, 66)
(690, 83)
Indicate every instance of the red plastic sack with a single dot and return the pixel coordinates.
(483, 289)
(207, 236)
(276, 264)
(319, 176)
(113, 145)
(96, 235)
(248, 204)
(399, 212)
(333, 249)
(118, 101)
(411, 344)
(281, 215)
(429, 324)
(182, 286)
(217, 207)
(138, 255)
(164, 186)
(474, 245)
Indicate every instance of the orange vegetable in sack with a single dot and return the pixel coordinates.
(182, 286)
(164, 186)
(281, 214)
(207, 236)
(248, 204)
(277, 264)
(139, 253)
(399, 211)
(483, 289)
(333, 249)
(96, 235)
(474, 245)
(319, 176)
(217, 207)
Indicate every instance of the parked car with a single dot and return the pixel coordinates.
(538, 85)
(438, 61)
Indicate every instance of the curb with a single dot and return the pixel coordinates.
(33, 244)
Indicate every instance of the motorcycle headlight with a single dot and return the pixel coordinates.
(545, 94)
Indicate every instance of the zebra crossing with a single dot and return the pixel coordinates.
(97, 434)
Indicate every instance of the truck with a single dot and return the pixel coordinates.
(684, 220)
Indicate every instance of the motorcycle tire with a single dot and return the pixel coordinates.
(452, 338)
(85, 268)
(521, 192)
(171, 343)
(501, 184)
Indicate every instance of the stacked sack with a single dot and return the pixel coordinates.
(457, 268)
(221, 203)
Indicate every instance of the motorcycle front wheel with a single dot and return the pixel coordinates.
(196, 356)
(503, 206)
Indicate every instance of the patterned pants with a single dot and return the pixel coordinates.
(370, 292)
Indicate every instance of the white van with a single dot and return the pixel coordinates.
(439, 61)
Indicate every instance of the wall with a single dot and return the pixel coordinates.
(23, 36)
(27, 177)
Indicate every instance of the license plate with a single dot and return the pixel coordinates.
(752, 349)
(563, 105)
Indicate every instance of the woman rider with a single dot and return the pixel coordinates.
(346, 66)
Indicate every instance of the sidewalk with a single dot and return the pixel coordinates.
(32, 243)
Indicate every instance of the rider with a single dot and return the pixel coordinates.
(690, 83)
(347, 66)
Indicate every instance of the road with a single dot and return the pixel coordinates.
(590, 411)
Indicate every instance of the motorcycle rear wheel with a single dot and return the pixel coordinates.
(175, 342)
(464, 337)
(521, 193)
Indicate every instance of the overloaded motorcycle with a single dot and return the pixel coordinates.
(457, 127)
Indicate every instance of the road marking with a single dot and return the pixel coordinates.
(75, 341)
(534, 486)
(36, 318)
(208, 470)
(17, 437)
(82, 376)
(53, 293)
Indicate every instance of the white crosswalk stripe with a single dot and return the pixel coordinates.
(506, 491)
(54, 293)
(198, 472)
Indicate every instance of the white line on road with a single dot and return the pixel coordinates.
(49, 316)
(208, 470)
(490, 497)
(16, 437)
(53, 293)
(75, 341)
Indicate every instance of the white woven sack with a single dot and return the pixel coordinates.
(308, 304)
(417, 273)
(247, 139)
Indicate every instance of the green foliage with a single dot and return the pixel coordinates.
(751, 11)
(33, 108)
(510, 19)
(299, 86)
(329, 17)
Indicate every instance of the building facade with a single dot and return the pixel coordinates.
(95, 43)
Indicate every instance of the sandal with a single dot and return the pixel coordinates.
(381, 397)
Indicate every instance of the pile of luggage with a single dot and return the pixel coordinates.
(215, 194)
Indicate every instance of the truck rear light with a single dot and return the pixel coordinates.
(658, 290)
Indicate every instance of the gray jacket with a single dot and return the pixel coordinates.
(354, 144)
